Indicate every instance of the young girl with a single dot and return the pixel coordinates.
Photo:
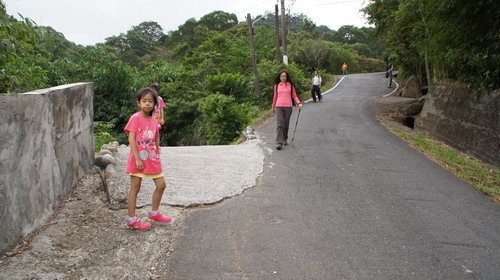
(160, 107)
(144, 159)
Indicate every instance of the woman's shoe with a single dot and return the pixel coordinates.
(279, 147)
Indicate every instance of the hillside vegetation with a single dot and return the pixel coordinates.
(204, 68)
(456, 39)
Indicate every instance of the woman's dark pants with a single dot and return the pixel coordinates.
(283, 120)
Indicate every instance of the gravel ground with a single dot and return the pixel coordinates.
(86, 240)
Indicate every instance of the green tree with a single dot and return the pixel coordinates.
(114, 89)
(159, 71)
(458, 37)
(312, 54)
(139, 41)
(184, 34)
(21, 58)
(218, 20)
(309, 27)
(3, 11)
(350, 34)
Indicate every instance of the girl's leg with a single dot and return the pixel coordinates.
(158, 193)
(135, 186)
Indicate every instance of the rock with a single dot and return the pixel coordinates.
(250, 133)
(117, 194)
(105, 146)
(412, 109)
(391, 103)
(98, 161)
(110, 171)
(108, 159)
(105, 152)
(411, 88)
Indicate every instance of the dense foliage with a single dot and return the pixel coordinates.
(204, 68)
(459, 38)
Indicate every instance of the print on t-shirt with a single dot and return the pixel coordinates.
(146, 144)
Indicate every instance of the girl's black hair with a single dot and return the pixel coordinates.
(144, 92)
(156, 87)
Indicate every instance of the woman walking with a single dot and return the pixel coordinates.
(285, 96)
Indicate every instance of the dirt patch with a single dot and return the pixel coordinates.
(85, 239)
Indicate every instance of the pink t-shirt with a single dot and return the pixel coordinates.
(282, 97)
(146, 134)
(156, 112)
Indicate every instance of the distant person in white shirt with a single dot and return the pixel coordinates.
(316, 84)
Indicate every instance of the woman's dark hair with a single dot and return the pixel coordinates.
(277, 79)
(146, 91)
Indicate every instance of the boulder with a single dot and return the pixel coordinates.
(110, 172)
(105, 152)
(250, 133)
(386, 104)
(412, 108)
(411, 88)
(98, 162)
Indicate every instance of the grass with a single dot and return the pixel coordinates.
(483, 177)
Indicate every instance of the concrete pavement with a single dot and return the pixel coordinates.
(195, 175)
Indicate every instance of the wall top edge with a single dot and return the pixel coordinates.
(45, 90)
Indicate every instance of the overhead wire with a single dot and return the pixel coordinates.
(248, 9)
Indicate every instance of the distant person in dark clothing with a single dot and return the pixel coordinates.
(390, 75)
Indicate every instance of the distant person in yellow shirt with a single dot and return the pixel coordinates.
(344, 68)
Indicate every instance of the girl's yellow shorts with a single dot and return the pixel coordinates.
(147, 176)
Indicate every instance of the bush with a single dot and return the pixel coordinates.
(236, 85)
(182, 123)
(103, 134)
(224, 120)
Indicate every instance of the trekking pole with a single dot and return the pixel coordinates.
(296, 122)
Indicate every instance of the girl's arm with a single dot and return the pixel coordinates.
(162, 106)
(162, 119)
(158, 144)
(133, 148)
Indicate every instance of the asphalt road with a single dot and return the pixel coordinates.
(345, 200)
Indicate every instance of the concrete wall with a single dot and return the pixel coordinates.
(464, 121)
(46, 145)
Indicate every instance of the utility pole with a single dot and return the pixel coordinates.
(277, 31)
(256, 83)
(283, 27)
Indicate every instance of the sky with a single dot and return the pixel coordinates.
(87, 22)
